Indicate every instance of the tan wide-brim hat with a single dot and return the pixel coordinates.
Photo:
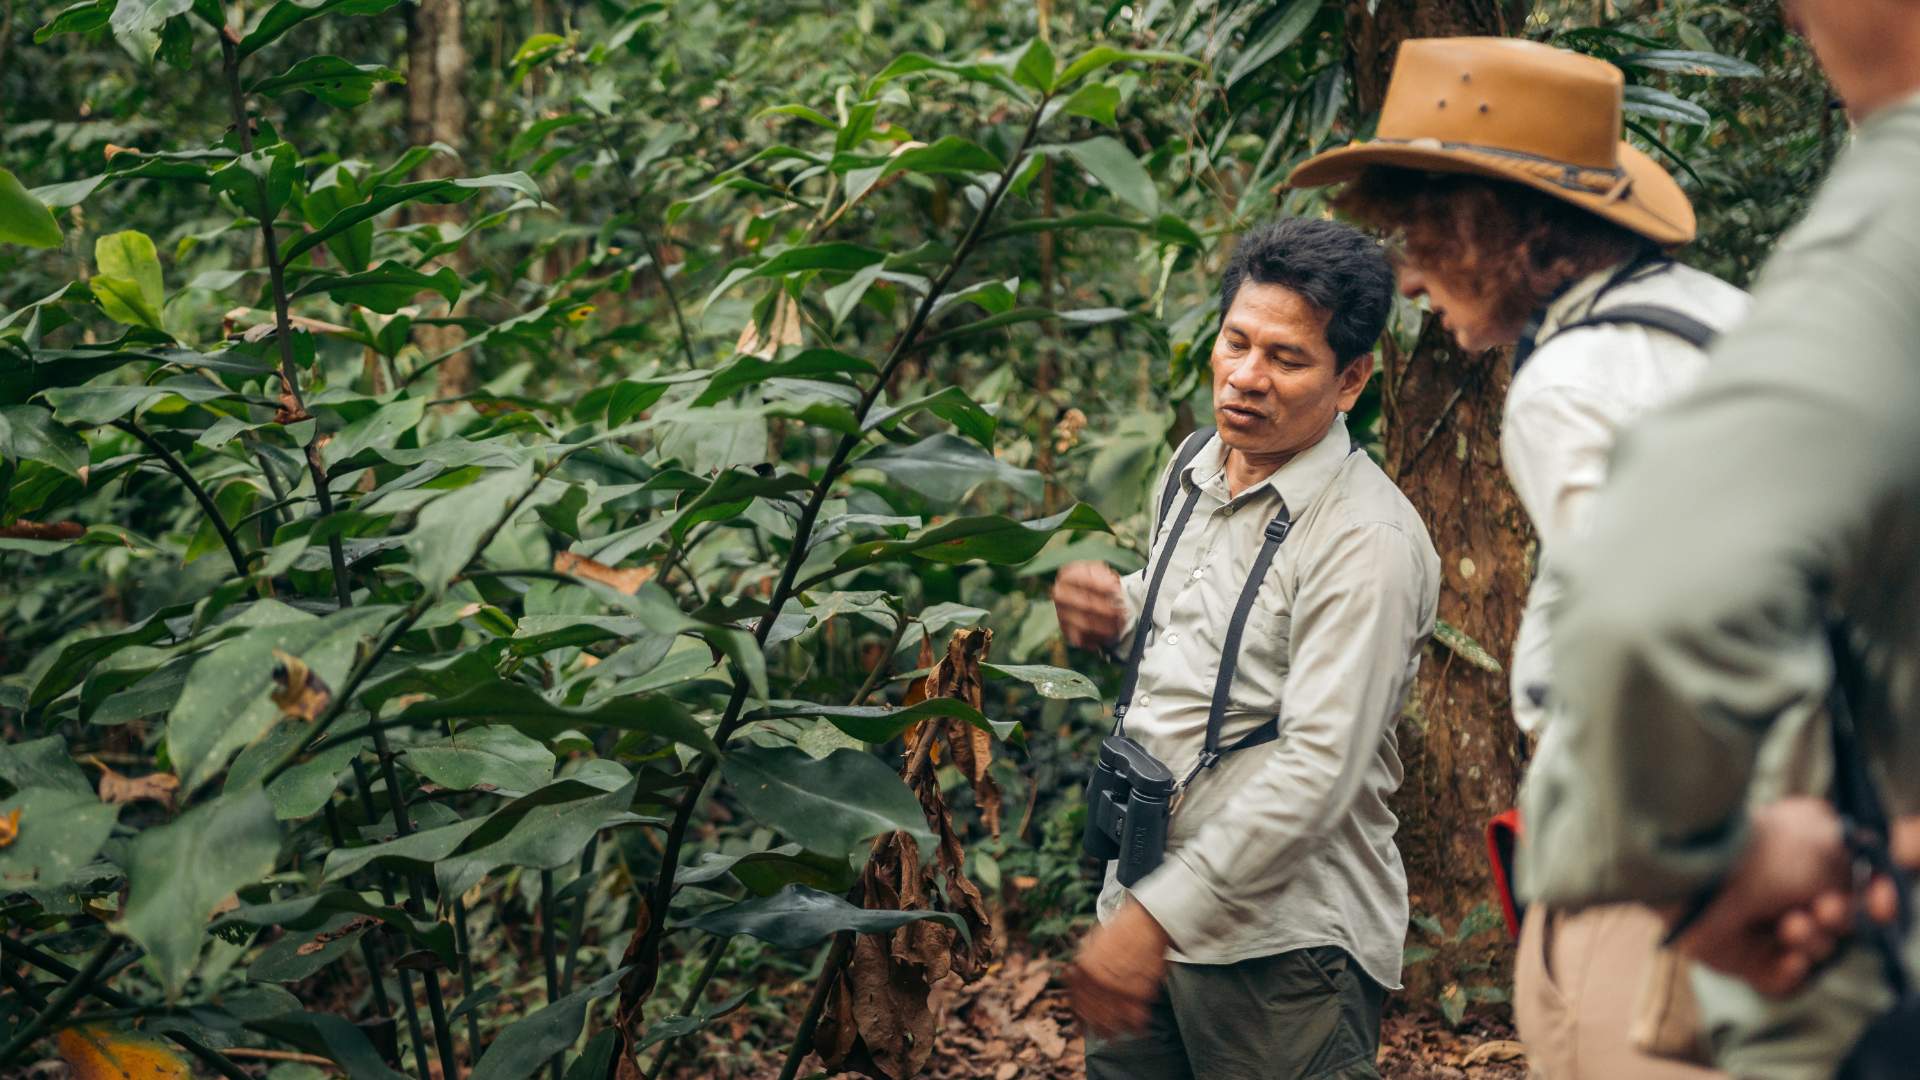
(1519, 111)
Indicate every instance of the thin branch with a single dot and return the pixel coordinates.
(62, 1003)
(385, 882)
(880, 669)
(369, 945)
(577, 926)
(716, 953)
(207, 505)
(636, 209)
(803, 1038)
(283, 323)
(547, 955)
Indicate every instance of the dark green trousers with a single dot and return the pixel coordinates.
(1308, 1014)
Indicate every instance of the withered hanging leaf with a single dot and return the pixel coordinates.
(299, 690)
(9, 827)
(326, 937)
(627, 581)
(101, 1053)
(959, 677)
(115, 788)
(876, 1020)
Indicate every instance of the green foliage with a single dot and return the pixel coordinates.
(517, 549)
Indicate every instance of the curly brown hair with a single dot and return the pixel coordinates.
(1510, 244)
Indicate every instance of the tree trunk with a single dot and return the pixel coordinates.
(1462, 752)
(437, 112)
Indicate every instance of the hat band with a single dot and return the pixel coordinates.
(1611, 182)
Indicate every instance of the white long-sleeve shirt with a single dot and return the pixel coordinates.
(1566, 407)
(1286, 845)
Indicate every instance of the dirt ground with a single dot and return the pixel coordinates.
(1015, 1024)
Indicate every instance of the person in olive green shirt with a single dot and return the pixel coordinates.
(1688, 758)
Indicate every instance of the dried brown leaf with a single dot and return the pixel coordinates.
(786, 330)
(327, 937)
(97, 1052)
(627, 581)
(115, 788)
(1497, 1050)
(9, 827)
(50, 530)
(299, 691)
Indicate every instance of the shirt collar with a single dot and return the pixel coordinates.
(1298, 483)
(1571, 305)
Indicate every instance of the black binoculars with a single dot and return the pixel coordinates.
(1127, 808)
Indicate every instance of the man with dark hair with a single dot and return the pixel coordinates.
(1272, 639)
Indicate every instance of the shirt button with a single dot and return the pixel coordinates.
(1173, 637)
(1200, 573)
(1146, 699)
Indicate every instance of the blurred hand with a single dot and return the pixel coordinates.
(1086, 599)
(1119, 971)
(1787, 904)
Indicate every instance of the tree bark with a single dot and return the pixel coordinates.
(437, 112)
(1462, 752)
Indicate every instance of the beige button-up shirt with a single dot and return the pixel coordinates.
(1286, 845)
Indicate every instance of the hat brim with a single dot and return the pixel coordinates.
(1650, 203)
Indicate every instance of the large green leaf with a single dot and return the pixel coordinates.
(1280, 33)
(337, 82)
(1118, 171)
(260, 182)
(42, 763)
(949, 403)
(990, 537)
(226, 704)
(30, 433)
(1659, 105)
(385, 197)
(23, 220)
(385, 288)
(136, 23)
(450, 530)
(949, 156)
(59, 831)
(1034, 66)
(311, 912)
(913, 63)
(92, 406)
(75, 660)
(287, 14)
(1052, 682)
(377, 429)
(831, 805)
(766, 872)
(797, 916)
(1102, 56)
(1690, 62)
(945, 468)
(128, 284)
(541, 834)
(825, 365)
(492, 755)
(179, 872)
(81, 18)
(879, 723)
(522, 707)
(522, 1048)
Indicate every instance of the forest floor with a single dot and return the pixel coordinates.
(1015, 1023)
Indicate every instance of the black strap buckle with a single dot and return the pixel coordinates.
(1278, 528)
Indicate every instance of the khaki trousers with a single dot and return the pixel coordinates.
(1576, 981)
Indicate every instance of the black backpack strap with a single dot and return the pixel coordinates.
(1654, 317)
(1863, 811)
(1189, 449)
(1144, 625)
(1277, 531)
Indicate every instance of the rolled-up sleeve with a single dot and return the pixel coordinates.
(1364, 606)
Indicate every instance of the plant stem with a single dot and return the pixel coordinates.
(547, 954)
(207, 505)
(214, 1060)
(385, 882)
(578, 924)
(715, 954)
(466, 976)
(635, 208)
(283, 322)
(880, 669)
(803, 1038)
(369, 947)
(62, 1002)
(730, 720)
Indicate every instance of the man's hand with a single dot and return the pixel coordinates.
(1787, 903)
(1119, 971)
(1086, 598)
